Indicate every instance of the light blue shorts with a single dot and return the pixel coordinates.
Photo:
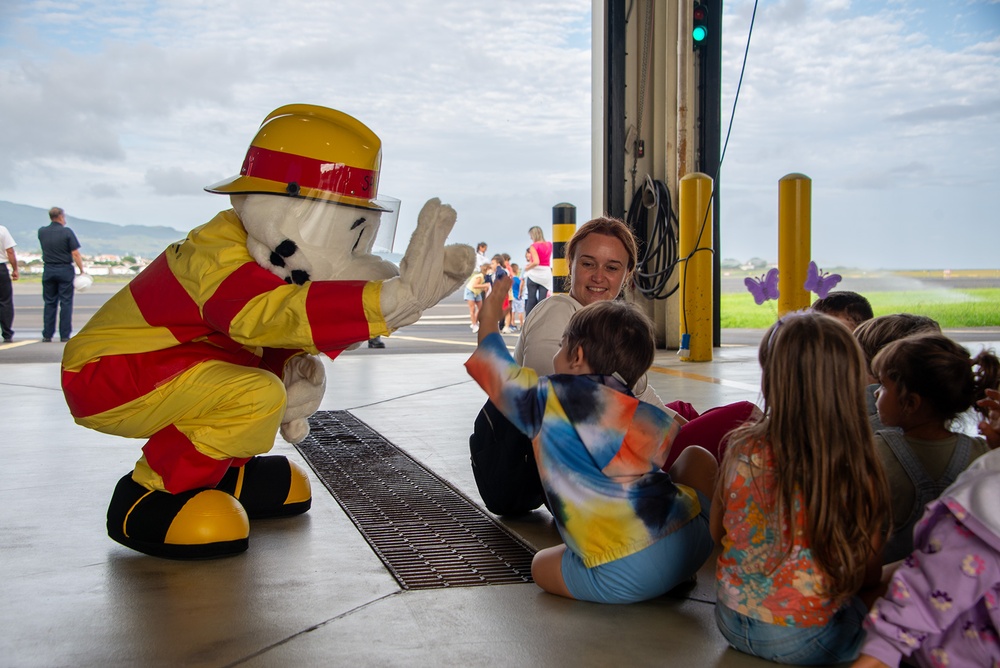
(649, 573)
(839, 641)
(471, 296)
(517, 306)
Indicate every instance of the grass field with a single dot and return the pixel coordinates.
(976, 307)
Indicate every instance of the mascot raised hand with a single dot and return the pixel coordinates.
(211, 350)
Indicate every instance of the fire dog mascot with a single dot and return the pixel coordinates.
(212, 349)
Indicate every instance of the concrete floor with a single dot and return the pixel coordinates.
(309, 591)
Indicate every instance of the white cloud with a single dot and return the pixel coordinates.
(123, 111)
(888, 126)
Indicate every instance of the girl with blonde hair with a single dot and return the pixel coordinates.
(801, 502)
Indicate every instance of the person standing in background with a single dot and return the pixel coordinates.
(6, 289)
(538, 271)
(60, 251)
(481, 257)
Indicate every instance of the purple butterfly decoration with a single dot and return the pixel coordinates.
(763, 288)
(819, 282)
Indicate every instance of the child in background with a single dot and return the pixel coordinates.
(926, 382)
(848, 307)
(517, 299)
(500, 270)
(875, 334)
(801, 502)
(630, 532)
(941, 608)
(474, 289)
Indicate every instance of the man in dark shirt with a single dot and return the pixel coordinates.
(60, 251)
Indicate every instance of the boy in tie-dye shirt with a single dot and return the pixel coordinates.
(631, 531)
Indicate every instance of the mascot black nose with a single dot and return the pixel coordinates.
(285, 249)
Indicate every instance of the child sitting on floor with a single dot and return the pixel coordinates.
(941, 608)
(926, 382)
(875, 334)
(848, 307)
(630, 532)
(801, 502)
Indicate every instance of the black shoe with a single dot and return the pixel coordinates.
(47, 339)
(8, 339)
(269, 487)
(64, 339)
(376, 342)
(199, 524)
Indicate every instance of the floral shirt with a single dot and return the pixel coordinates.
(599, 452)
(754, 575)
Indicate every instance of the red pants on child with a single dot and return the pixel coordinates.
(710, 429)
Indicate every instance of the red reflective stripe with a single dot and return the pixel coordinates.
(112, 381)
(173, 456)
(231, 297)
(163, 301)
(336, 314)
(332, 177)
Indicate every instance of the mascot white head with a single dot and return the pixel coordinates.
(323, 165)
(307, 195)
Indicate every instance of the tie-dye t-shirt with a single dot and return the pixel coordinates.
(599, 451)
(754, 576)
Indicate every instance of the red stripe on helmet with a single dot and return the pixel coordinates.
(332, 177)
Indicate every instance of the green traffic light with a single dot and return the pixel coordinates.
(700, 31)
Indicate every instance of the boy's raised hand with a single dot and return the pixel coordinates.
(492, 309)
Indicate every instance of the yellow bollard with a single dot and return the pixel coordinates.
(563, 227)
(794, 229)
(695, 289)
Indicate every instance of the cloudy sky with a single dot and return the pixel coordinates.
(122, 111)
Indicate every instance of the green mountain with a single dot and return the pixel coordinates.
(95, 238)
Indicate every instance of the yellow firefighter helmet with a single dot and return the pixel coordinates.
(303, 150)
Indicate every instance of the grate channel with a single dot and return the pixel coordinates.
(428, 535)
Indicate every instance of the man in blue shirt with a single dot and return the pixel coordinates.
(60, 251)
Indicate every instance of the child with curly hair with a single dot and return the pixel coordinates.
(927, 381)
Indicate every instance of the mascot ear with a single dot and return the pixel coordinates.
(257, 246)
(258, 214)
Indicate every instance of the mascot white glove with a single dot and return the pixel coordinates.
(305, 383)
(429, 271)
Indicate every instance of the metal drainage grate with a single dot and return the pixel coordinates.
(427, 534)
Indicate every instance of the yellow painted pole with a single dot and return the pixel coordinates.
(695, 289)
(563, 227)
(794, 230)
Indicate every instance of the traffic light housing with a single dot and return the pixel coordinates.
(699, 30)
